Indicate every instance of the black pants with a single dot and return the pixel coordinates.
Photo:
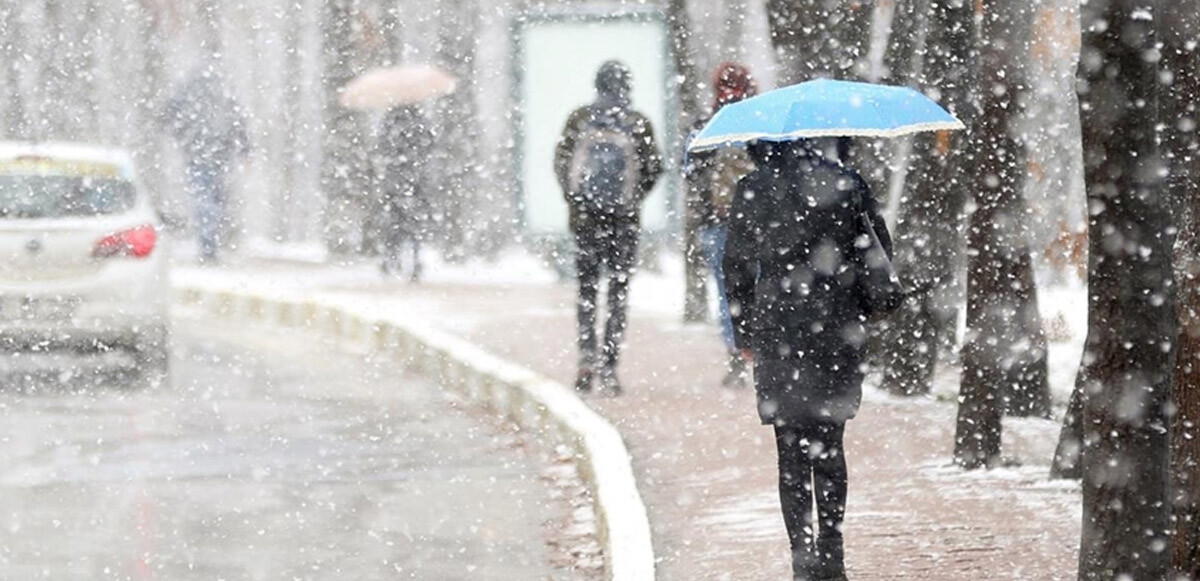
(605, 244)
(400, 227)
(812, 469)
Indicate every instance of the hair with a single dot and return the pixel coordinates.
(731, 83)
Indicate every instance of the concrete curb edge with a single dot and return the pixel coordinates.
(550, 411)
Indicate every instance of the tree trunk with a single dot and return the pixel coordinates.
(695, 300)
(733, 46)
(16, 109)
(1070, 439)
(1026, 391)
(909, 47)
(813, 39)
(287, 197)
(928, 232)
(1185, 425)
(343, 150)
(457, 183)
(1004, 345)
(1180, 116)
(1131, 304)
(391, 25)
(151, 94)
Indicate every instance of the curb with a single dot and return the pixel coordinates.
(550, 411)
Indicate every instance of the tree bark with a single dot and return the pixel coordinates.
(733, 46)
(343, 150)
(16, 108)
(1131, 298)
(1180, 116)
(928, 233)
(457, 181)
(695, 300)
(1185, 425)
(1004, 343)
(816, 38)
(1070, 439)
(151, 94)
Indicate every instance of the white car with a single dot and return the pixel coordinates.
(82, 264)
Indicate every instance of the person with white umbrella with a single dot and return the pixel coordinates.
(402, 152)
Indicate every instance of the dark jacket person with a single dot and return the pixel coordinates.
(403, 153)
(712, 176)
(606, 163)
(790, 277)
(210, 128)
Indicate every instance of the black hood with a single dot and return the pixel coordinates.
(779, 155)
(613, 84)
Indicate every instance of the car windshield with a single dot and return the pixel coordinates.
(55, 196)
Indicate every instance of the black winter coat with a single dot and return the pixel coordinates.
(403, 154)
(789, 270)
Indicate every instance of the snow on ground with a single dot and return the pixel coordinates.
(909, 505)
(656, 291)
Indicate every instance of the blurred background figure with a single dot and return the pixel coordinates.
(606, 162)
(402, 154)
(405, 145)
(715, 174)
(210, 129)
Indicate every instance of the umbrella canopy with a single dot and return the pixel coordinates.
(381, 89)
(824, 108)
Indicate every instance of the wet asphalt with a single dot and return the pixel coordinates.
(269, 455)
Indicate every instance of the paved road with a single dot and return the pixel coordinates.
(271, 456)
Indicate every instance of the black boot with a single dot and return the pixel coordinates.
(831, 559)
(804, 565)
(584, 379)
(610, 385)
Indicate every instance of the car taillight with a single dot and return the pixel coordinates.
(135, 242)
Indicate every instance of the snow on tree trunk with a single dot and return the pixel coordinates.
(16, 114)
(1070, 440)
(695, 304)
(1185, 425)
(457, 184)
(149, 96)
(343, 148)
(1179, 117)
(1131, 307)
(814, 38)
(1005, 349)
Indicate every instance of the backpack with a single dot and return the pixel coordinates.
(729, 166)
(604, 165)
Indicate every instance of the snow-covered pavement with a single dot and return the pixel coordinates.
(706, 467)
(271, 455)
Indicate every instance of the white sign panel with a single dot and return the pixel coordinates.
(557, 59)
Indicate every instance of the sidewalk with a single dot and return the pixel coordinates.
(706, 466)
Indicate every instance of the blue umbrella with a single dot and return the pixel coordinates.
(824, 108)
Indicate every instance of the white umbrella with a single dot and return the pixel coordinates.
(387, 87)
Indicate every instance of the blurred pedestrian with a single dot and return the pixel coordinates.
(403, 153)
(798, 308)
(714, 175)
(606, 163)
(210, 129)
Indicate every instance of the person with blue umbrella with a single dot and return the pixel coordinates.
(807, 267)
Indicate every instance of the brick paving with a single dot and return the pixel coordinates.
(706, 466)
